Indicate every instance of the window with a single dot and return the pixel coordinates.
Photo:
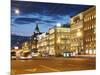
(92, 16)
(94, 30)
(92, 26)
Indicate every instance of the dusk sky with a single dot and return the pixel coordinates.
(46, 14)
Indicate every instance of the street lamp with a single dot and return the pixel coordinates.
(16, 47)
(79, 35)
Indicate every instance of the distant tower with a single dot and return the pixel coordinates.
(37, 30)
(34, 40)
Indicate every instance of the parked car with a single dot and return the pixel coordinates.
(35, 54)
(68, 54)
(13, 55)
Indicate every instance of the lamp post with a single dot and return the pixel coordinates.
(79, 35)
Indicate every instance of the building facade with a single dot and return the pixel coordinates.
(59, 40)
(55, 41)
(76, 33)
(25, 46)
(83, 32)
(90, 31)
(43, 44)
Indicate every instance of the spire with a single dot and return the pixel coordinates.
(37, 28)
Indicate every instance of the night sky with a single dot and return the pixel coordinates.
(46, 14)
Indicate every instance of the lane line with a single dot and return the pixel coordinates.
(52, 69)
(31, 70)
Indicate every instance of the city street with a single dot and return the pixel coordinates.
(52, 64)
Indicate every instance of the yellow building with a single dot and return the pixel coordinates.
(59, 40)
(25, 46)
(90, 31)
(83, 32)
(42, 44)
(76, 33)
(55, 41)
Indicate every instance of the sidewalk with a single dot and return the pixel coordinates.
(88, 56)
(77, 56)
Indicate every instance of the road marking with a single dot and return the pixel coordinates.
(32, 70)
(52, 69)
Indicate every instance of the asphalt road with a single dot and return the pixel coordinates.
(54, 64)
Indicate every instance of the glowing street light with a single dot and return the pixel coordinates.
(58, 25)
(17, 11)
(16, 47)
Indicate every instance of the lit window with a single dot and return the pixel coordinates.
(94, 30)
(92, 16)
(92, 26)
(90, 51)
(86, 51)
(94, 51)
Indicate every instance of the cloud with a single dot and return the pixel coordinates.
(49, 21)
(26, 20)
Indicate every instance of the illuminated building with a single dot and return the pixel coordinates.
(25, 46)
(43, 43)
(55, 41)
(34, 40)
(59, 40)
(77, 33)
(83, 32)
(31, 44)
(90, 31)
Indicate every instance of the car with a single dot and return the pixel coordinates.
(68, 54)
(35, 54)
(25, 58)
(13, 55)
